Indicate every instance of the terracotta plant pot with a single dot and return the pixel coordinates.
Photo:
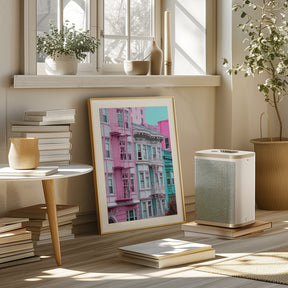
(23, 153)
(271, 173)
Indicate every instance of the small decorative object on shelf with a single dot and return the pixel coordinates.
(155, 55)
(64, 48)
(132, 67)
(23, 153)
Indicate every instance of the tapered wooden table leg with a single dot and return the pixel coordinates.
(49, 193)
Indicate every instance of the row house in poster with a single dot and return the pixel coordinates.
(135, 173)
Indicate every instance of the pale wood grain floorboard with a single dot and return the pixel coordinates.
(92, 261)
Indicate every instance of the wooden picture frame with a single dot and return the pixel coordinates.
(137, 172)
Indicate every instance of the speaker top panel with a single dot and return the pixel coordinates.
(225, 153)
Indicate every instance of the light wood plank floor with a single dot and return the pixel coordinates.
(92, 261)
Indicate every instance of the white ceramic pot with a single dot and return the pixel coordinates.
(62, 65)
(132, 67)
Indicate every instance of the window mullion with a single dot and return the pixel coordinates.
(128, 30)
(60, 15)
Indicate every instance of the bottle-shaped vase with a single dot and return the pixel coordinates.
(156, 59)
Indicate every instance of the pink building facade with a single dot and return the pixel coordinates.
(164, 130)
(119, 165)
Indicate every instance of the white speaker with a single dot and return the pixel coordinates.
(225, 187)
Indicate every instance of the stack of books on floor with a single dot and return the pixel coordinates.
(53, 128)
(16, 246)
(166, 252)
(38, 223)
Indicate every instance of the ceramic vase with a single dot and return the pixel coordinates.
(23, 153)
(156, 59)
(62, 65)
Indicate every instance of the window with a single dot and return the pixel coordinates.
(147, 210)
(123, 37)
(139, 152)
(104, 115)
(125, 181)
(154, 153)
(110, 183)
(129, 148)
(144, 152)
(126, 119)
(120, 117)
(161, 178)
(167, 145)
(172, 177)
(158, 153)
(147, 180)
(107, 148)
(156, 176)
(122, 149)
(142, 182)
(58, 11)
(168, 178)
(131, 215)
(128, 29)
(132, 180)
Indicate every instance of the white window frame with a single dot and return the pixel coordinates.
(30, 35)
(30, 30)
(117, 68)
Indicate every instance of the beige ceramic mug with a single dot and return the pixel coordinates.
(23, 153)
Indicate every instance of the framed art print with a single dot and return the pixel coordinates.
(137, 172)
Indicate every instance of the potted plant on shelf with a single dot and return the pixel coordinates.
(267, 52)
(64, 48)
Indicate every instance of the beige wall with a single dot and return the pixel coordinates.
(225, 117)
(194, 109)
(238, 104)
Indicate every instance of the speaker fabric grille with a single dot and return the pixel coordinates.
(215, 191)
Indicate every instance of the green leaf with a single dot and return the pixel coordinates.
(243, 14)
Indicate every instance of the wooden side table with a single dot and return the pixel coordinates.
(49, 193)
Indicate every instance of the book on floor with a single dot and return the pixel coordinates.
(39, 211)
(62, 220)
(166, 252)
(43, 235)
(16, 246)
(39, 171)
(20, 261)
(15, 236)
(11, 223)
(191, 228)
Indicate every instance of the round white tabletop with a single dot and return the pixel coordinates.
(63, 172)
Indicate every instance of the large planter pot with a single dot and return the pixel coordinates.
(62, 65)
(271, 173)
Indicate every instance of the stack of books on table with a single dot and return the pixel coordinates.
(16, 246)
(38, 223)
(53, 128)
(166, 252)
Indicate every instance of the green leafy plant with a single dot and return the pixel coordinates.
(66, 41)
(266, 29)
